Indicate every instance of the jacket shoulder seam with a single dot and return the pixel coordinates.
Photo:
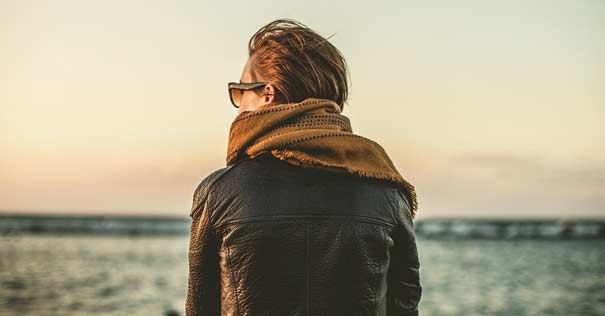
(201, 192)
(407, 212)
(358, 219)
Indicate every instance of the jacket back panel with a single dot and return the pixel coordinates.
(300, 241)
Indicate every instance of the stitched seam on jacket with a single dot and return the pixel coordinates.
(395, 212)
(318, 216)
(372, 267)
(307, 258)
(212, 231)
(295, 217)
(378, 279)
(209, 187)
(252, 220)
(233, 281)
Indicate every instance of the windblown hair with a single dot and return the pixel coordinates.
(298, 63)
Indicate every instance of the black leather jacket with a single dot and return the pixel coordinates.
(272, 238)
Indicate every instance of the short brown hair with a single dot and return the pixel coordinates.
(298, 62)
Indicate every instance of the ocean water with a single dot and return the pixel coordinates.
(43, 274)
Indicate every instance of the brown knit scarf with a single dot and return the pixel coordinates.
(312, 133)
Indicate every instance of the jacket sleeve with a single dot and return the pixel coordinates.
(403, 278)
(203, 292)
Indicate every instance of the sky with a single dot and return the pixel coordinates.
(490, 109)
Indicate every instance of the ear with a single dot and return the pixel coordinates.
(269, 94)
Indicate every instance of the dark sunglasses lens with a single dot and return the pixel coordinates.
(236, 96)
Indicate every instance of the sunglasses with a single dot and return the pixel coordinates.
(236, 90)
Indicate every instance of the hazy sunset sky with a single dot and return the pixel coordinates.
(488, 108)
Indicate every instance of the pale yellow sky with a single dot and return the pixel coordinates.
(489, 109)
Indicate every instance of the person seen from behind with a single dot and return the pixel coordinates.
(306, 217)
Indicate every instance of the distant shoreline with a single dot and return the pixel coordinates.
(68, 214)
(135, 215)
(441, 228)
